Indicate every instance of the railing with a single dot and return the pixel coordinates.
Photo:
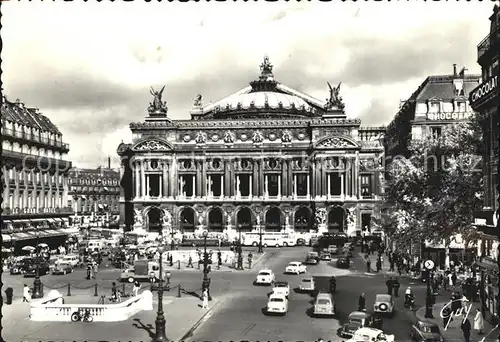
(40, 161)
(57, 210)
(34, 137)
(50, 310)
(489, 41)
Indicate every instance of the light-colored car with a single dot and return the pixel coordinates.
(324, 305)
(281, 288)
(325, 257)
(370, 335)
(265, 277)
(62, 268)
(332, 249)
(277, 304)
(296, 267)
(72, 259)
(307, 284)
(384, 303)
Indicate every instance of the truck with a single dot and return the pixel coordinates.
(143, 270)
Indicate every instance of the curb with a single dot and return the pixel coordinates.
(202, 319)
(258, 260)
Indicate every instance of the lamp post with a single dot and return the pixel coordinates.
(160, 334)
(260, 239)
(428, 297)
(37, 284)
(172, 244)
(206, 280)
(240, 257)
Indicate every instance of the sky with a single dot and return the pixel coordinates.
(89, 66)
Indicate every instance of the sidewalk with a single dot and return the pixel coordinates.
(454, 333)
(181, 315)
(385, 266)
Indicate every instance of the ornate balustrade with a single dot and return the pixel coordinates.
(52, 309)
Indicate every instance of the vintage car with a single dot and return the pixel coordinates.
(343, 262)
(296, 267)
(426, 331)
(370, 335)
(325, 257)
(324, 305)
(16, 268)
(307, 285)
(277, 304)
(281, 288)
(29, 267)
(384, 303)
(265, 277)
(357, 320)
(62, 268)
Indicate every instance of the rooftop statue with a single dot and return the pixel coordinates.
(197, 101)
(157, 105)
(335, 99)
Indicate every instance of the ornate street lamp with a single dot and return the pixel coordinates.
(206, 280)
(160, 333)
(37, 284)
(240, 257)
(428, 297)
(260, 239)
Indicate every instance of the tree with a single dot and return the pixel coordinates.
(433, 194)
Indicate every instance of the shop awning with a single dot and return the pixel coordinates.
(59, 232)
(38, 219)
(20, 221)
(23, 236)
(7, 222)
(51, 220)
(6, 238)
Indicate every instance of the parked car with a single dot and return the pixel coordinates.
(30, 266)
(62, 268)
(307, 285)
(277, 304)
(281, 288)
(265, 277)
(301, 242)
(371, 335)
(384, 303)
(16, 268)
(324, 305)
(357, 320)
(343, 262)
(325, 257)
(71, 259)
(426, 331)
(332, 249)
(296, 267)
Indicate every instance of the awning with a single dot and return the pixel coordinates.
(51, 220)
(100, 206)
(65, 219)
(38, 220)
(59, 232)
(22, 236)
(6, 238)
(7, 222)
(20, 221)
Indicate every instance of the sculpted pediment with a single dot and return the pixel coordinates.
(152, 146)
(336, 142)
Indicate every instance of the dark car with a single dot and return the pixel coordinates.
(30, 266)
(16, 268)
(359, 319)
(426, 331)
(343, 262)
(301, 242)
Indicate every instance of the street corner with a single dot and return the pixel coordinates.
(258, 258)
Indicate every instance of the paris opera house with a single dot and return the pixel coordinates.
(267, 157)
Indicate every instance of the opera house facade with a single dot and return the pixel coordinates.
(267, 158)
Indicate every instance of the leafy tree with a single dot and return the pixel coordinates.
(433, 194)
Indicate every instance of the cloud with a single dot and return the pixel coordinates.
(88, 67)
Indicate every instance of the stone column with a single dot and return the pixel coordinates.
(237, 186)
(353, 177)
(198, 189)
(342, 185)
(356, 177)
(137, 180)
(255, 177)
(195, 184)
(164, 179)
(348, 186)
(160, 186)
(203, 181)
(328, 190)
(173, 178)
(284, 178)
(42, 192)
(294, 186)
(231, 178)
(323, 177)
(318, 179)
(6, 189)
(208, 187)
(308, 185)
(279, 186)
(262, 181)
(147, 185)
(143, 179)
(266, 187)
(222, 185)
(250, 185)
(227, 175)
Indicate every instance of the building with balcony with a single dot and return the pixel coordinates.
(35, 174)
(437, 102)
(94, 196)
(484, 99)
(266, 157)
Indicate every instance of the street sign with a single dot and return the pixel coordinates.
(429, 264)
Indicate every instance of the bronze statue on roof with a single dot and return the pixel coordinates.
(157, 105)
(335, 100)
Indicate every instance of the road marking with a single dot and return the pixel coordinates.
(247, 329)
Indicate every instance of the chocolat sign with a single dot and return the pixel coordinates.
(484, 89)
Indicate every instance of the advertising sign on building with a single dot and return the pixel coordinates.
(483, 90)
(449, 116)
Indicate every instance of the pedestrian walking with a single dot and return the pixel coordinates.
(219, 258)
(379, 265)
(26, 294)
(190, 261)
(466, 328)
(361, 302)
(389, 283)
(96, 269)
(137, 287)
(479, 322)
(114, 296)
(368, 265)
(396, 285)
(204, 305)
(454, 279)
(89, 271)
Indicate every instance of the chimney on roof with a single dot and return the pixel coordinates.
(454, 70)
(109, 162)
(462, 72)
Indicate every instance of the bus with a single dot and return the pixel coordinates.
(330, 239)
(269, 239)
